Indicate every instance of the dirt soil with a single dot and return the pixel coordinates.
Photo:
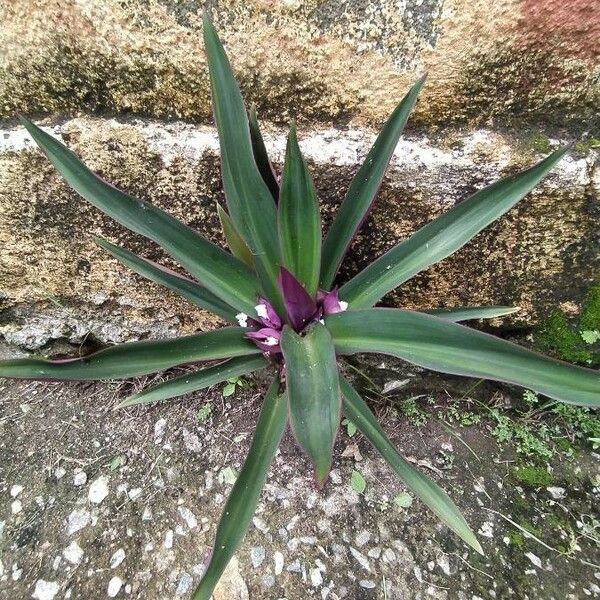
(97, 504)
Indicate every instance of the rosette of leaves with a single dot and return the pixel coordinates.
(277, 288)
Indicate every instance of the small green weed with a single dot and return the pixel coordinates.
(232, 384)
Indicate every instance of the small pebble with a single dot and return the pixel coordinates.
(79, 478)
(98, 490)
(59, 473)
(114, 586)
(279, 561)
(316, 578)
(45, 590)
(184, 585)
(117, 558)
(15, 490)
(365, 583)
(169, 539)
(73, 553)
(188, 516)
(16, 507)
(257, 556)
(78, 520)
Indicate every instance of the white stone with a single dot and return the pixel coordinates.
(16, 507)
(159, 430)
(534, 559)
(114, 586)
(257, 556)
(117, 558)
(558, 493)
(184, 585)
(15, 490)
(147, 514)
(316, 579)
(362, 538)
(77, 520)
(279, 562)
(98, 490)
(134, 493)
(73, 553)
(169, 539)
(45, 590)
(188, 516)
(59, 473)
(487, 529)
(360, 558)
(79, 478)
(192, 441)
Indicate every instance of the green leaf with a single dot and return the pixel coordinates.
(364, 187)
(430, 493)
(227, 475)
(448, 347)
(135, 358)
(228, 390)
(313, 393)
(192, 382)
(218, 271)
(590, 336)
(204, 412)
(234, 240)
(466, 313)
(357, 482)
(242, 501)
(299, 218)
(350, 427)
(249, 200)
(403, 500)
(184, 286)
(443, 236)
(260, 155)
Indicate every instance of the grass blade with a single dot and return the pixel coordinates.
(313, 392)
(135, 358)
(448, 347)
(443, 236)
(357, 411)
(183, 286)
(363, 189)
(192, 382)
(219, 272)
(242, 501)
(299, 218)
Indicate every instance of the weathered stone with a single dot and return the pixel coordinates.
(320, 60)
(542, 253)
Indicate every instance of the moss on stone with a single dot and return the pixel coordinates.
(533, 476)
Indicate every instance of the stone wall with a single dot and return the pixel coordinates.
(125, 84)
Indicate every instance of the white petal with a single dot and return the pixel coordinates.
(321, 321)
(343, 305)
(271, 341)
(242, 319)
(261, 310)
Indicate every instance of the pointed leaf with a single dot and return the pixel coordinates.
(299, 218)
(249, 200)
(430, 493)
(135, 358)
(219, 272)
(444, 235)
(300, 307)
(261, 157)
(192, 382)
(467, 313)
(363, 189)
(234, 240)
(448, 347)
(184, 286)
(313, 392)
(242, 501)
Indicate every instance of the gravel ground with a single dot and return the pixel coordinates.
(104, 504)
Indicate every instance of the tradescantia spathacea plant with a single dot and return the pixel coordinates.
(278, 289)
